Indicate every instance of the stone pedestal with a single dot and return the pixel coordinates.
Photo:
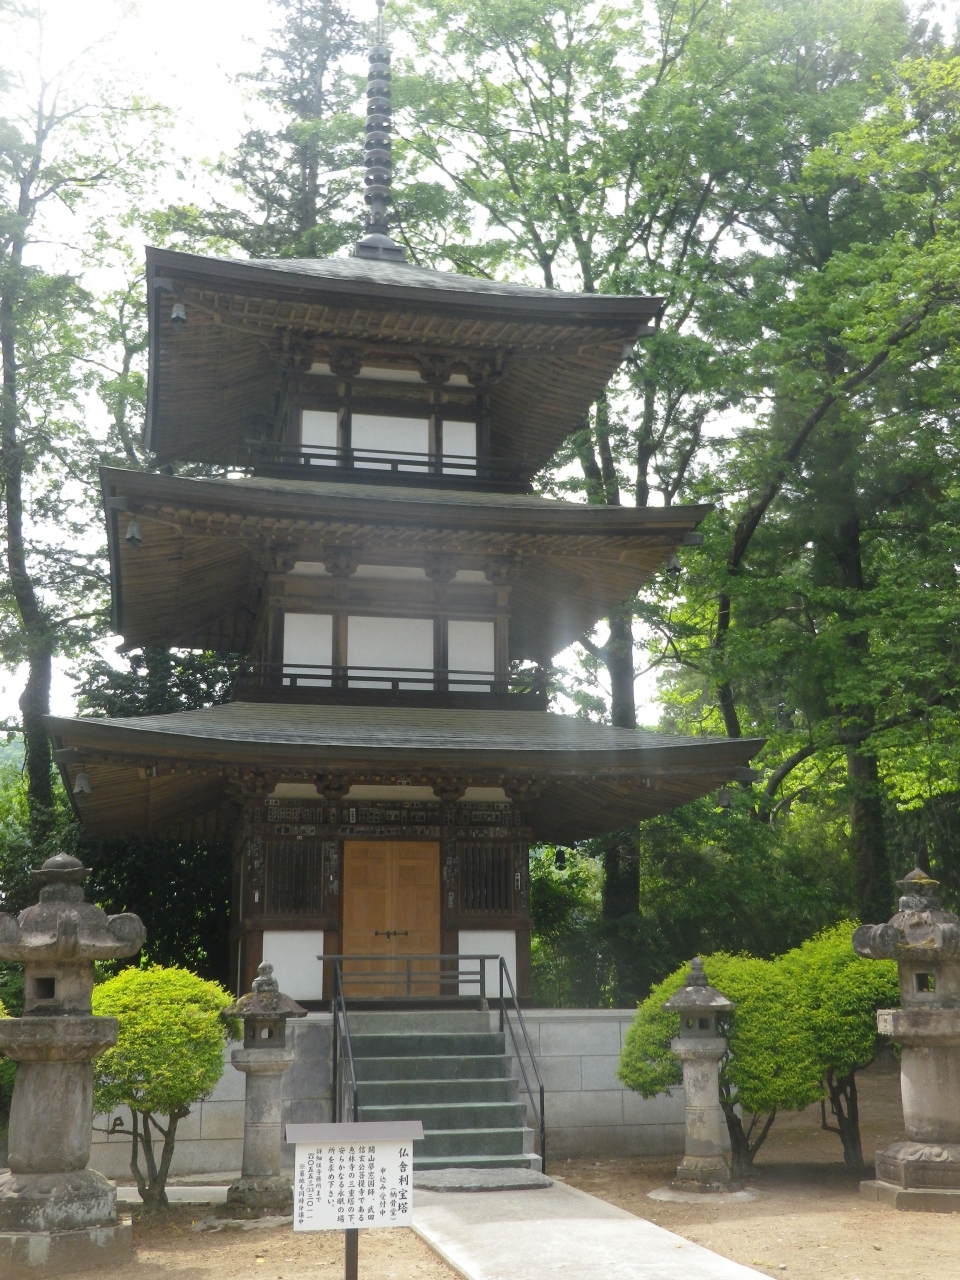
(704, 1166)
(923, 1172)
(262, 1188)
(56, 1215)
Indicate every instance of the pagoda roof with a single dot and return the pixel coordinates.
(197, 578)
(576, 778)
(215, 386)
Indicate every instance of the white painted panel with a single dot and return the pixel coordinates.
(380, 433)
(392, 643)
(488, 942)
(379, 373)
(293, 954)
(470, 648)
(395, 572)
(318, 430)
(460, 442)
(307, 642)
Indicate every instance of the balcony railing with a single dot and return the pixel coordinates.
(415, 686)
(320, 462)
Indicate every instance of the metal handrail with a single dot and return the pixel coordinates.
(408, 977)
(505, 1023)
(339, 1009)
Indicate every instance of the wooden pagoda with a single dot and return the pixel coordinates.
(360, 528)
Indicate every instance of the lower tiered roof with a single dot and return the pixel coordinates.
(574, 778)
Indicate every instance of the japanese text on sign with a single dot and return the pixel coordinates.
(352, 1184)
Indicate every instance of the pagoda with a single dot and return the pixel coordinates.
(361, 528)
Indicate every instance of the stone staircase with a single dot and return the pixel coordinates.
(448, 1069)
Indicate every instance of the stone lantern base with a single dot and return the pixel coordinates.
(702, 1173)
(919, 1176)
(28, 1255)
(258, 1197)
(56, 1223)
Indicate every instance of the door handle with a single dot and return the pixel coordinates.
(391, 933)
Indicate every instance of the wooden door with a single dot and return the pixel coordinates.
(391, 908)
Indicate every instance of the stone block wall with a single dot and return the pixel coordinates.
(210, 1139)
(588, 1111)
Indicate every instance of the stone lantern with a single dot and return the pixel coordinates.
(264, 1058)
(54, 1211)
(924, 1171)
(704, 1166)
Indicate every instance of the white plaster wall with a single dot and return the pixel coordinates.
(293, 954)
(588, 1111)
(487, 942)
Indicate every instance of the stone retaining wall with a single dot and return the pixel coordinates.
(589, 1112)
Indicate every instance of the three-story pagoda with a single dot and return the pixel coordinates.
(373, 550)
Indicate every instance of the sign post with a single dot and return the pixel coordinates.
(353, 1175)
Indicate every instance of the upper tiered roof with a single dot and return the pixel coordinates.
(220, 380)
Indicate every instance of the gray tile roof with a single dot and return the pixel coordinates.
(396, 728)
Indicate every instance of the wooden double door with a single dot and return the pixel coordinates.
(391, 908)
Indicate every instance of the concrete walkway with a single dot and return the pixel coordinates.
(558, 1231)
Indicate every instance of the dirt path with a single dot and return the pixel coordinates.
(168, 1248)
(809, 1221)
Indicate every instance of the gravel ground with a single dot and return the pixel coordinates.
(809, 1221)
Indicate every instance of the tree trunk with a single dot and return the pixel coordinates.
(842, 1092)
(743, 1145)
(868, 846)
(618, 654)
(35, 701)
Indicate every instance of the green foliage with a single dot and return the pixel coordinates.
(805, 1022)
(567, 951)
(297, 174)
(169, 1054)
(710, 880)
(159, 681)
(170, 1049)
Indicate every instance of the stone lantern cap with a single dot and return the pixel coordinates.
(62, 926)
(698, 997)
(266, 1000)
(920, 931)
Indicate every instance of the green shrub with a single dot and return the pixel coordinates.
(840, 993)
(169, 1054)
(768, 1065)
(805, 1022)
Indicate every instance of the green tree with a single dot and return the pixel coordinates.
(827, 605)
(169, 1055)
(297, 179)
(568, 952)
(57, 151)
(840, 994)
(768, 1067)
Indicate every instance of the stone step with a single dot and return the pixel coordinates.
(428, 1020)
(374, 1093)
(433, 1044)
(457, 1115)
(475, 1142)
(449, 1067)
(525, 1161)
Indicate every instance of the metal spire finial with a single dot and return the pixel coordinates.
(377, 156)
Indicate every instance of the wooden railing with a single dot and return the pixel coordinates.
(321, 682)
(319, 462)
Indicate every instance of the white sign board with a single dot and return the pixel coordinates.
(350, 1178)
